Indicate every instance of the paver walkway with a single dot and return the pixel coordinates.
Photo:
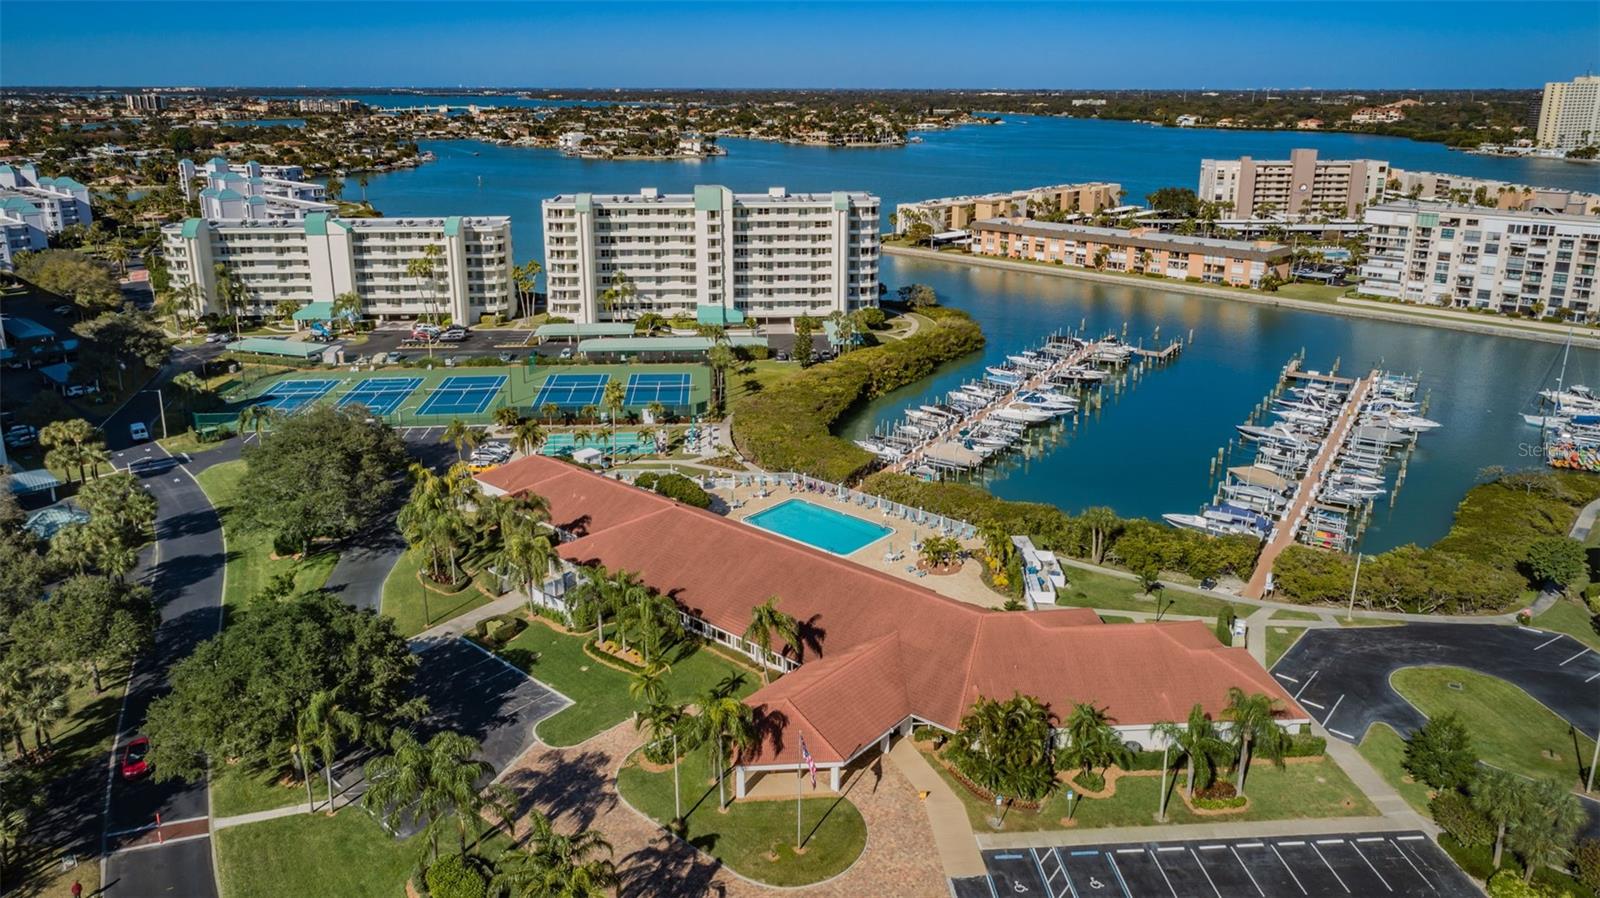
(576, 787)
(952, 833)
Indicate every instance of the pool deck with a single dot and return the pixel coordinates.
(966, 585)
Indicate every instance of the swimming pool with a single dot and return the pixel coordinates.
(819, 526)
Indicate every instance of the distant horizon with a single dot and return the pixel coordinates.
(885, 45)
(352, 88)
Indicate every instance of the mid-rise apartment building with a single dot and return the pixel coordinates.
(1427, 185)
(322, 256)
(1240, 263)
(1569, 114)
(713, 253)
(251, 191)
(326, 104)
(61, 201)
(1299, 186)
(957, 212)
(1478, 258)
(22, 229)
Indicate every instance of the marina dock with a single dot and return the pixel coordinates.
(1305, 495)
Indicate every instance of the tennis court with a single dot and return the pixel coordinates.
(381, 394)
(289, 395)
(571, 390)
(667, 389)
(463, 395)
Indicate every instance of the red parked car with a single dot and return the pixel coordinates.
(134, 764)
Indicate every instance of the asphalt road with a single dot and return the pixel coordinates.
(1399, 865)
(186, 574)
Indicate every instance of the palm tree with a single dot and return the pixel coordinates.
(324, 723)
(255, 417)
(347, 306)
(594, 592)
(424, 270)
(1255, 727)
(1102, 523)
(460, 435)
(721, 359)
(525, 277)
(1543, 833)
(997, 544)
(621, 292)
(362, 180)
(725, 722)
(649, 685)
(525, 554)
(1091, 740)
(551, 864)
(611, 400)
(231, 290)
(436, 781)
(1198, 744)
(1498, 795)
(527, 436)
(13, 824)
(433, 520)
(767, 621)
(38, 698)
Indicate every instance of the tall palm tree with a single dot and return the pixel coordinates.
(1255, 729)
(325, 724)
(39, 698)
(649, 685)
(254, 417)
(620, 292)
(1197, 744)
(525, 554)
(721, 360)
(766, 621)
(726, 724)
(526, 278)
(611, 400)
(436, 781)
(1499, 795)
(593, 593)
(997, 544)
(1101, 524)
(460, 435)
(1091, 740)
(13, 824)
(433, 520)
(527, 436)
(1544, 831)
(550, 864)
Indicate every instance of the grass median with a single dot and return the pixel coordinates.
(251, 565)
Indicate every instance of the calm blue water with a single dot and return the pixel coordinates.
(1148, 452)
(819, 526)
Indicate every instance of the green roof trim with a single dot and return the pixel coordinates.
(708, 197)
(315, 311)
(317, 224)
(661, 344)
(192, 226)
(841, 201)
(267, 346)
(452, 226)
(597, 329)
(719, 316)
(583, 202)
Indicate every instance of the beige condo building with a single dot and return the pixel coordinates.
(954, 213)
(1300, 186)
(1569, 113)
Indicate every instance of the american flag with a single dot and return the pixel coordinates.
(811, 763)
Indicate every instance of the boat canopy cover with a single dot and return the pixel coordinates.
(1255, 475)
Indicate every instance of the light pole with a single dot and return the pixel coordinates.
(1589, 787)
(161, 406)
(1162, 804)
(677, 806)
(1350, 612)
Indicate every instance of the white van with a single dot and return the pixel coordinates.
(138, 432)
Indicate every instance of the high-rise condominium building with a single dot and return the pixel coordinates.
(144, 102)
(1299, 186)
(1478, 258)
(321, 257)
(957, 212)
(61, 202)
(1569, 114)
(713, 253)
(251, 191)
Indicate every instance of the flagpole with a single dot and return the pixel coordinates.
(799, 790)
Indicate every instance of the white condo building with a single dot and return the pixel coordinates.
(1481, 258)
(252, 191)
(61, 202)
(1299, 186)
(1569, 113)
(321, 257)
(718, 255)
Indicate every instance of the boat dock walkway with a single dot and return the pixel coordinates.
(1163, 354)
(1292, 371)
(947, 440)
(1306, 492)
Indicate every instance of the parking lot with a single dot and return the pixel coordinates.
(480, 695)
(1400, 865)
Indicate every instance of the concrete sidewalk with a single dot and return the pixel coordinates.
(952, 833)
(1112, 835)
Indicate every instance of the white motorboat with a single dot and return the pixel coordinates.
(1025, 414)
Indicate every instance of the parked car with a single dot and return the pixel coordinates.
(81, 390)
(566, 353)
(135, 759)
(453, 336)
(508, 357)
(138, 432)
(216, 337)
(19, 435)
(63, 310)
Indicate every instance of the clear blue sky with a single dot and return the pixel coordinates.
(1283, 43)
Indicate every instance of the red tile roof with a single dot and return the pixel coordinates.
(876, 648)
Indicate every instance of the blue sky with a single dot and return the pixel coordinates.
(1284, 43)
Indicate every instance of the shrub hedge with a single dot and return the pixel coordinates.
(674, 486)
(786, 426)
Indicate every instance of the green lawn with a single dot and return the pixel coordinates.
(235, 791)
(1295, 615)
(1570, 617)
(250, 562)
(1297, 791)
(348, 855)
(1509, 729)
(1089, 589)
(404, 594)
(1280, 640)
(742, 838)
(1386, 751)
(599, 692)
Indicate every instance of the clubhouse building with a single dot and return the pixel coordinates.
(879, 655)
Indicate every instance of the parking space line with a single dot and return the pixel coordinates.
(1410, 838)
(1171, 848)
(1592, 677)
(1206, 873)
(1286, 677)
(1212, 847)
(1050, 892)
(1333, 709)
(1247, 872)
(1343, 733)
(1306, 683)
(1248, 845)
(1286, 866)
(1548, 641)
(1311, 704)
(1065, 873)
(1418, 870)
(1370, 839)
(1163, 871)
(1335, 873)
(1574, 657)
(1130, 851)
(1120, 881)
(1529, 629)
(1374, 870)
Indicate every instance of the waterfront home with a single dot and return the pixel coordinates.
(879, 654)
(1239, 263)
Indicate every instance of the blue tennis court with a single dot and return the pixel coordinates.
(667, 389)
(381, 394)
(289, 395)
(571, 390)
(462, 395)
